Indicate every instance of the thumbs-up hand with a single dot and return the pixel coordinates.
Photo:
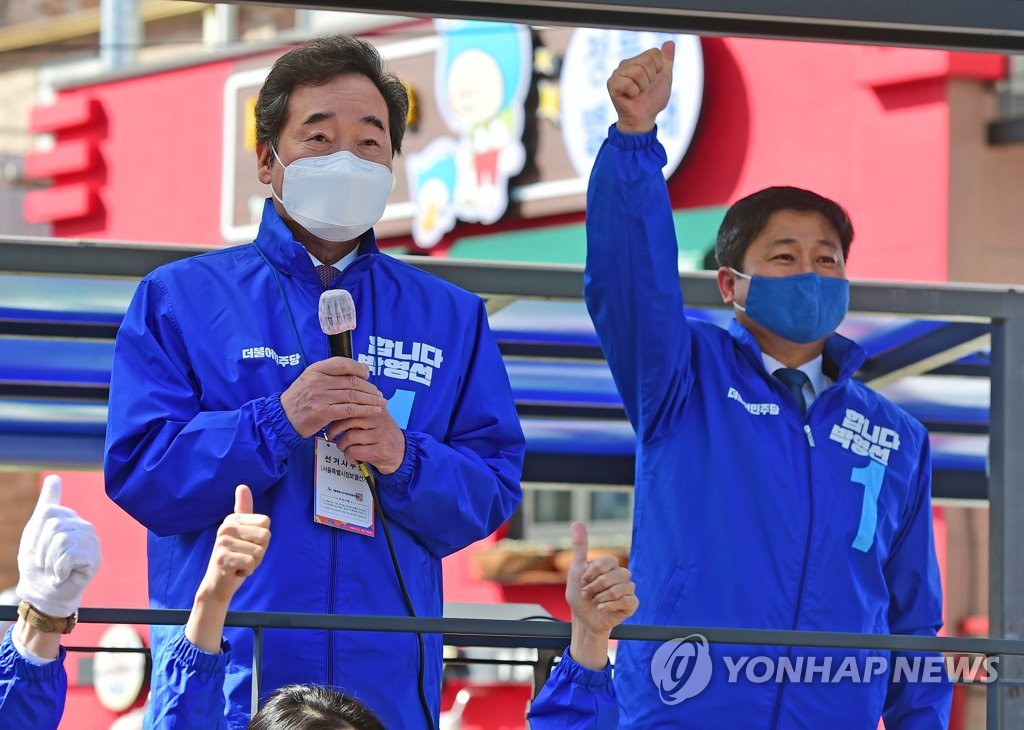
(58, 555)
(599, 592)
(242, 540)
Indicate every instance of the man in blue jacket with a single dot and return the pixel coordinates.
(773, 490)
(222, 375)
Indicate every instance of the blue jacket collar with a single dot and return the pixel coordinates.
(276, 242)
(842, 356)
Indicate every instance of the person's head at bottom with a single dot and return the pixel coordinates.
(312, 707)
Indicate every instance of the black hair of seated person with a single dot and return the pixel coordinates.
(312, 707)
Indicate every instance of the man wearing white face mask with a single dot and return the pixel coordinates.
(223, 375)
(773, 490)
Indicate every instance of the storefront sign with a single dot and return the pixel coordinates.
(507, 122)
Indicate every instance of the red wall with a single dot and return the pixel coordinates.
(159, 139)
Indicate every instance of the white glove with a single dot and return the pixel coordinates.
(58, 555)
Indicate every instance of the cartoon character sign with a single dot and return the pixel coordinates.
(482, 77)
(432, 177)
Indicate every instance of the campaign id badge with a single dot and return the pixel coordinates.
(341, 497)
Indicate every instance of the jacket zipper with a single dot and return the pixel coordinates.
(803, 572)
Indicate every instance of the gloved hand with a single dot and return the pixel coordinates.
(58, 555)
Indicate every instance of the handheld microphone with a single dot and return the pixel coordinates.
(337, 320)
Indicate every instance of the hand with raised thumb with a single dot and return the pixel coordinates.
(58, 555)
(242, 540)
(599, 591)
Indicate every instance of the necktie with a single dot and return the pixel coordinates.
(326, 274)
(795, 380)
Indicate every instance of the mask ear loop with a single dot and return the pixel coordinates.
(741, 275)
(283, 167)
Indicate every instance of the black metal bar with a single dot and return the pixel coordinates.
(984, 25)
(571, 469)
(526, 631)
(470, 661)
(959, 484)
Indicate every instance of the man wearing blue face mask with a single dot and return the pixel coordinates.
(773, 491)
(222, 374)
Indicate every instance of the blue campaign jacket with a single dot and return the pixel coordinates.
(206, 348)
(31, 697)
(575, 697)
(748, 514)
(188, 686)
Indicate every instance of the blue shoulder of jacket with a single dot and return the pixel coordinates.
(207, 260)
(404, 270)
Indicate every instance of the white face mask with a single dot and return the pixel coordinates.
(336, 197)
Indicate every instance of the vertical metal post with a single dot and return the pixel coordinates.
(120, 33)
(992, 704)
(257, 668)
(220, 26)
(1006, 509)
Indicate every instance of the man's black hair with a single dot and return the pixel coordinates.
(747, 217)
(317, 62)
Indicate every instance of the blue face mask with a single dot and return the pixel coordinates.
(802, 308)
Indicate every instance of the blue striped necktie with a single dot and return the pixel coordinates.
(795, 380)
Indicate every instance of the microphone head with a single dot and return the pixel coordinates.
(337, 312)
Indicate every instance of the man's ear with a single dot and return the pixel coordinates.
(264, 162)
(727, 284)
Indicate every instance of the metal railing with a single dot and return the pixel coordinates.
(554, 635)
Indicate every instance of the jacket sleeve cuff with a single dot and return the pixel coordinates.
(580, 676)
(14, 664)
(401, 478)
(282, 438)
(630, 142)
(191, 657)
